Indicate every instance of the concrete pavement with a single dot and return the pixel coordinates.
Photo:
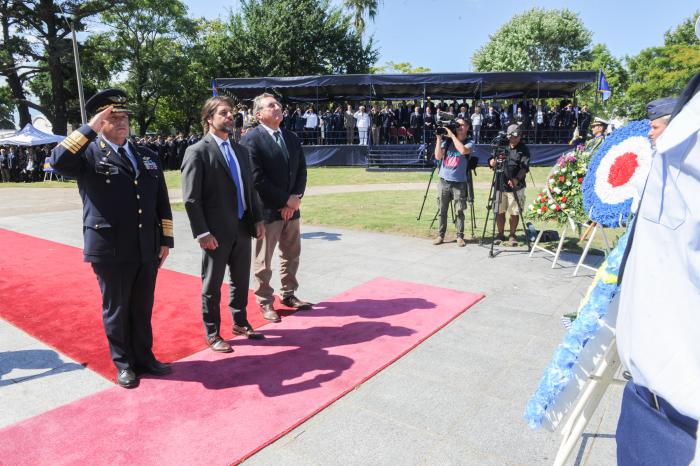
(457, 398)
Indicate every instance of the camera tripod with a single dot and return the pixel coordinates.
(498, 185)
(470, 200)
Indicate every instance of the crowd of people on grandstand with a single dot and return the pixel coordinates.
(404, 122)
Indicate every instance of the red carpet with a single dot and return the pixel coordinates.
(220, 409)
(49, 292)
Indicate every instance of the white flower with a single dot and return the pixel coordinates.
(568, 183)
(557, 190)
(563, 170)
(531, 207)
(563, 205)
(551, 181)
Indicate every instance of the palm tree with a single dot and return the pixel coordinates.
(359, 8)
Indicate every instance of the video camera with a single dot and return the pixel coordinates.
(501, 140)
(445, 120)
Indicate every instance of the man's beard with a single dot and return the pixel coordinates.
(226, 127)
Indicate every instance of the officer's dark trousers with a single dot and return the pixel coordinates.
(127, 304)
(235, 253)
(650, 436)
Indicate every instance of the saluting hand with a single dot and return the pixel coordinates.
(98, 121)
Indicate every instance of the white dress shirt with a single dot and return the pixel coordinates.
(658, 326)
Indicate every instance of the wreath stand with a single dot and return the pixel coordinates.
(562, 236)
(598, 382)
(588, 235)
(597, 368)
(590, 232)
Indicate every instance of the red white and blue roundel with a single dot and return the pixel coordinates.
(617, 173)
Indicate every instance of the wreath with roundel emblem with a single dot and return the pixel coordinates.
(617, 173)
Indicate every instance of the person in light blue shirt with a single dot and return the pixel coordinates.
(453, 153)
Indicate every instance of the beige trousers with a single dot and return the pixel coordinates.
(288, 236)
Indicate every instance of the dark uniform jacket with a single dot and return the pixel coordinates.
(517, 159)
(125, 218)
(275, 178)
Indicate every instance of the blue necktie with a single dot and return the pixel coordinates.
(232, 164)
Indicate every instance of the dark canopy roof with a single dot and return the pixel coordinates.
(409, 86)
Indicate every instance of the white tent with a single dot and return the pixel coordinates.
(30, 136)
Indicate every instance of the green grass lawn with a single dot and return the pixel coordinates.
(336, 176)
(396, 212)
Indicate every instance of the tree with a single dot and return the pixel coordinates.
(684, 34)
(403, 67)
(616, 74)
(7, 108)
(659, 72)
(662, 71)
(180, 106)
(358, 9)
(537, 40)
(291, 38)
(48, 55)
(148, 35)
(10, 47)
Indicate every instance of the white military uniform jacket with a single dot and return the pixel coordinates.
(658, 326)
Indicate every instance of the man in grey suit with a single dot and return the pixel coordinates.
(217, 189)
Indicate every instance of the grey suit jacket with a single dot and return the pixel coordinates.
(209, 192)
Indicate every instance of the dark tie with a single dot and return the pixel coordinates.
(232, 164)
(280, 142)
(126, 160)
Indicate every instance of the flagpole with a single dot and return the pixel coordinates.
(597, 91)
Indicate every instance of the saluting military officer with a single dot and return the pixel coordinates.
(127, 227)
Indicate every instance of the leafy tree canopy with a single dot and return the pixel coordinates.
(7, 108)
(292, 38)
(684, 33)
(537, 40)
(403, 67)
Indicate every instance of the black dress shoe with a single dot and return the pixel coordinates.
(155, 368)
(247, 331)
(296, 303)
(127, 378)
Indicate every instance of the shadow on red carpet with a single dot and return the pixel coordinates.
(221, 408)
(50, 293)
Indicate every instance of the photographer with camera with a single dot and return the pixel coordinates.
(512, 164)
(453, 148)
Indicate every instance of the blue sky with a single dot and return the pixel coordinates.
(414, 30)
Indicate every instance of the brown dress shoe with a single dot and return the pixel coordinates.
(219, 345)
(460, 242)
(296, 303)
(269, 313)
(247, 331)
(439, 240)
